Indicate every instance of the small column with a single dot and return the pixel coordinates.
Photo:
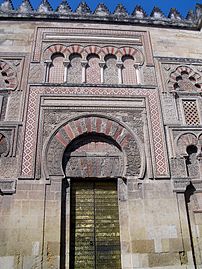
(199, 157)
(66, 65)
(138, 74)
(1, 104)
(48, 64)
(102, 65)
(147, 145)
(84, 64)
(120, 66)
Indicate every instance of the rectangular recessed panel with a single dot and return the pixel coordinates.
(95, 238)
(191, 112)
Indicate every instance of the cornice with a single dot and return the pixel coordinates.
(63, 12)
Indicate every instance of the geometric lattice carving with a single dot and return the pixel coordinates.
(111, 70)
(160, 156)
(191, 112)
(93, 69)
(57, 68)
(128, 72)
(75, 69)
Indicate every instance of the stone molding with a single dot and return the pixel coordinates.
(7, 186)
(180, 185)
(102, 13)
(47, 40)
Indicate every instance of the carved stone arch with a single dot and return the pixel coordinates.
(135, 53)
(184, 78)
(4, 144)
(75, 49)
(200, 138)
(110, 50)
(93, 50)
(110, 129)
(53, 49)
(183, 141)
(8, 76)
(199, 145)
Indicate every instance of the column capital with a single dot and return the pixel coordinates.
(102, 64)
(119, 65)
(48, 62)
(137, 66)
(84, 63)
(66, 63)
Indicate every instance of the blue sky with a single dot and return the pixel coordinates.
(182, 5)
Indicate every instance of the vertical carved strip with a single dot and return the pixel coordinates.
(47, 70)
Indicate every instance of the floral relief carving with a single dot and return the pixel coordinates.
(8, 76)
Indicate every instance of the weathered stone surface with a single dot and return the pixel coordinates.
(91, 101)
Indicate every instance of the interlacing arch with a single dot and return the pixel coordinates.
(184, 78)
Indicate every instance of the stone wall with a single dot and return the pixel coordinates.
(141, 128)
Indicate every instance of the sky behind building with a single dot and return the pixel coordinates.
(183, 6)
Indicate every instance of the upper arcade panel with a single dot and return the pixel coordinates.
(102, 13)
(91, 55)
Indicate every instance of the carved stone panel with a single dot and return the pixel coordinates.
(180, 75)
(149, 76)
(169, 109)
(93, 156)
(36, 73)
(178, 168)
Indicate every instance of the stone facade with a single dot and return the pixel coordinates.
(95, 97)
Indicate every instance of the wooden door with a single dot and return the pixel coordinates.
(94, 238)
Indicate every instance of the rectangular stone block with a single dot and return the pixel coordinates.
(143, 246)
(175, 245)
(36, 195)
(53, 248)
(7, 262)
(163, 259)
